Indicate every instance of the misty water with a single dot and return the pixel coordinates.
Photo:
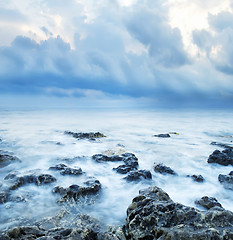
(33, 136)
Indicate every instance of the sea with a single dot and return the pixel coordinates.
(36, 137)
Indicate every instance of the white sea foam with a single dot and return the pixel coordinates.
(33, 136)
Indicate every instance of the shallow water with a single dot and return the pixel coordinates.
(32, 136)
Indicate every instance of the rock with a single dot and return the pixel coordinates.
(123, 169)
(208, 202)
(90, 135)
(161, 168)
(3, 197)
(226, 180)
(138, 175)
(153, 215)
(6, 159)
(105, 158)
(27, 179)
(197, 178)
(224, 158)
(162, 135)
(64, 170)
(221, 145)
(44, 179)
(131, 163)
(74, 192)
(25, 232)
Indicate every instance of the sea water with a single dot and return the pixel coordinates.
(37, 138)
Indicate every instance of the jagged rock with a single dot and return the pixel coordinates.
(73, 192)
(64, 170)
(208, 202)
(90, 135)
(138, 175)
(197, 178)
(105, 158)
(6, 159)
(163, 135)
(123, 169)
(161, 168)
(224, 158)
(130, 163)
(221, 145)
(21, 181)
(153, 215)
(3, 197)
(226, 180)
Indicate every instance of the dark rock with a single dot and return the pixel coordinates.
(90, 135)
(208, 202)
(3, 197)
(197, 178)
(160, 168)
(105, 158)
(226, 180)
(25, 232)
(224, 158)
(44, 179)
(64, 170)
(153, 215)
(123, 169)
(74, 192)
(163, 135)
(60, 166)
(138, 175)
(130, 159)
(221, 145)
(27, 179)
(6, 159)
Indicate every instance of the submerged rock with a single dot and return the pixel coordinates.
(81, 135)
(224, 158)
(161, 168)
(64, 170)
(6, 159)
(74, 192)
(226, 180)
(153, 215)
(138, 175)
(197, 178)
(208, 202)
(105, 158)
(163, 135)
(3, 197)
(27, 179)
(221, 145)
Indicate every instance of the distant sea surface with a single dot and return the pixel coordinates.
(37, 138)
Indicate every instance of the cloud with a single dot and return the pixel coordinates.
(109, 49)
(216, 42)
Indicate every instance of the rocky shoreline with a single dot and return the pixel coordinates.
(151, 215)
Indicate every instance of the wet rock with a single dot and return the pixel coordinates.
(138, 175)
(6, 159)
(90, 135)
(197, 178)
(27, 179)
(64, 170)
(224, 158)
(3, 197)
(208, 202)
(221, 145)
(25, 232)
(226, 180)
(161, 168)
(105, 158)
(44, 179)
(123, 169)
(163, 135)
(130, 163)
(74, 192)
(153, 215)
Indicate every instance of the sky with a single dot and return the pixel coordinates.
(161, 53)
